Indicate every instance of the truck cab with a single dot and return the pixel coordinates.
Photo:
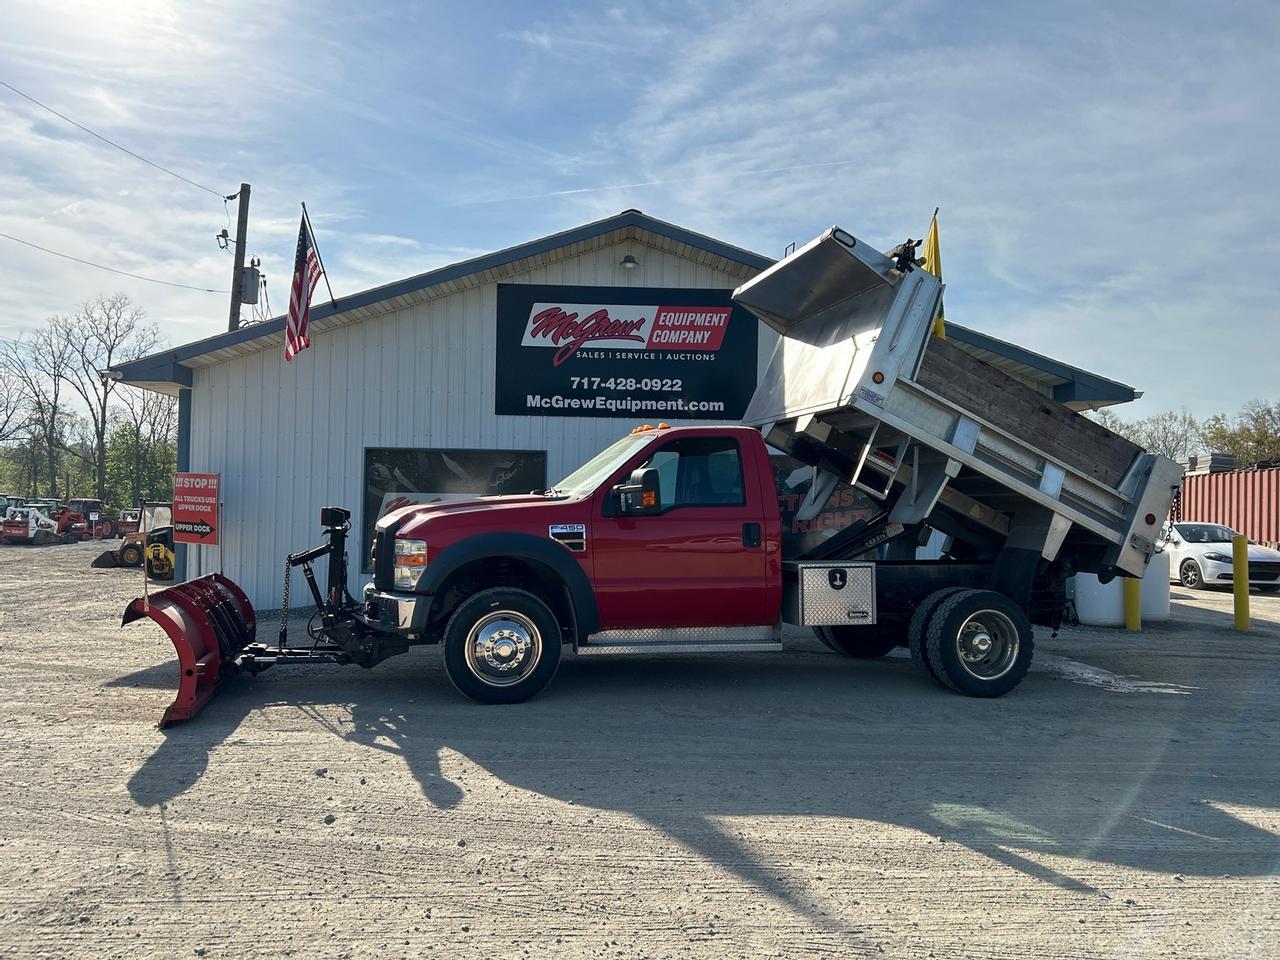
(701, 551)
(668, 529)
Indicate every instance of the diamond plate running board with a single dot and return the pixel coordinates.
(685, 640)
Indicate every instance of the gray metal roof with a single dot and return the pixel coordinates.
(170, 370)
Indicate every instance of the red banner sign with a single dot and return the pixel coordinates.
(195, 508)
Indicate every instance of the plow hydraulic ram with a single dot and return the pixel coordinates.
(213, 626)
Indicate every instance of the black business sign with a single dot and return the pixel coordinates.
(636, 352)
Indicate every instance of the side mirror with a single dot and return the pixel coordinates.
(641, 496)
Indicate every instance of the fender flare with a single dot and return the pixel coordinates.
(517, 546)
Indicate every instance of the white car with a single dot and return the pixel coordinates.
(1200, 556)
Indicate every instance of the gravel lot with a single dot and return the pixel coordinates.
(1124, 801)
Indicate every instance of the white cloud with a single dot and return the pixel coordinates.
(1104, 176)
(1104, 173)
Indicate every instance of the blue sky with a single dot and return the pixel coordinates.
(1105, 171)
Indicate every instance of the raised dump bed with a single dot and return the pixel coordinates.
(860, 388)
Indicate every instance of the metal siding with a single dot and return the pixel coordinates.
(290, 438)
(1245, 500)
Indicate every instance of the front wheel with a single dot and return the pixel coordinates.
(1269, 588)
(502, 645)
(1189, 574)
(979, 643)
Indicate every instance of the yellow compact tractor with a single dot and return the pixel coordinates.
(154, 546)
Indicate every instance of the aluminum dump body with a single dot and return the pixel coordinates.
(859, 387)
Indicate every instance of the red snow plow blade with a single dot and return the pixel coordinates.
(210, 621)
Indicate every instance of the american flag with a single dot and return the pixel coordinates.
(306, 274)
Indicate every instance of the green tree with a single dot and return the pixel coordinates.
(1251, 436)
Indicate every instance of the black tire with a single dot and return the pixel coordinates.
(1189, 575)
(1269, 588)
(131, 555)
(528, 619)
(824, 634)
(916, 639)
(862, 643)
(967, 618)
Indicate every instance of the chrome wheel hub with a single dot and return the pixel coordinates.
(503, 648)
(987, 645)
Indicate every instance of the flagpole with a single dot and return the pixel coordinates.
(323, 272)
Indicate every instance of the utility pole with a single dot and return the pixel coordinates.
(237, 276)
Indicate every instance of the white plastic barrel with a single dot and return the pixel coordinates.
(1102, 604)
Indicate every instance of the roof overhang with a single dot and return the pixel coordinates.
(1077, 388)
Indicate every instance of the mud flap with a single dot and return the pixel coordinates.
(209, 620)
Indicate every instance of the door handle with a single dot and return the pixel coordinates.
(751, 534)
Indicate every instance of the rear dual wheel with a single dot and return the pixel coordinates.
(976, 642)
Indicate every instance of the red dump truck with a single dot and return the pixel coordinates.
(670, 540)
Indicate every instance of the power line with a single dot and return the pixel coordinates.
(90, 263)
(79, 126)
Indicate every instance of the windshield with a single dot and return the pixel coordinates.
(592, 473)
(1204, 532)
(159, 515)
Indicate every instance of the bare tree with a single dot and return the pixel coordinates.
(41, 363)
(14, 408)
(103, 332)
(1172, 434)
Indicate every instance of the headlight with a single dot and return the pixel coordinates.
(1218, 557)
(411, 559)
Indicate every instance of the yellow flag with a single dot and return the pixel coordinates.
(933, 263)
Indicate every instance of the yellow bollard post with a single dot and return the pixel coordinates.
(1132, 603)
(1240, 579)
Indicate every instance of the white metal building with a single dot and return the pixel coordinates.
(414, 364)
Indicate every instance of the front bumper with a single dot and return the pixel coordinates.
(1261, 573)
(394, 612)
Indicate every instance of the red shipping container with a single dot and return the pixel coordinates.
(1248, 501)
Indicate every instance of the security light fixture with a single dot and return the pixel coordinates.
(629, 262)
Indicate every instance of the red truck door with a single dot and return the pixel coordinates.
(699, 563)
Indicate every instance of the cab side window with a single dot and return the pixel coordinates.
(699, 473)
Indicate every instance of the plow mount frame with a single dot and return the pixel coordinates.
(213, 626)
